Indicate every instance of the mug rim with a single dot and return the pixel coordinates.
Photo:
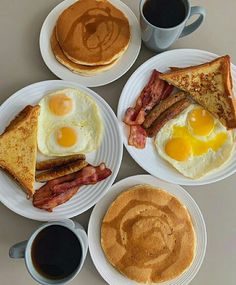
(141, 4)
(29, 262)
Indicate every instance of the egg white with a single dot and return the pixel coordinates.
(84, 118)
(196, 166)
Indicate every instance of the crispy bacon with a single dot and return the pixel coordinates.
(155, 91)
(133, 118)
(137, 137)
(45, 199)
(60, 190)
(166, 92)
(88, 175)
(151, 95)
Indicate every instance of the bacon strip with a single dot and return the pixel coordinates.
(134, 118)
(166, 92)
(88, 175)
(154, 91)
(137, 137)
(47, 200)
(60, 190)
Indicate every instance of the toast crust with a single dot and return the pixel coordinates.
(210, 85)
(18, 148)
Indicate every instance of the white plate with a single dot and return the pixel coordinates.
(107, 271)
(148, 158)
(123, 65)
(110, 152)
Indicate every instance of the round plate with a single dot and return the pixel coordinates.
(123, 65)
(148, 158)
(107, 271)
(110, 152)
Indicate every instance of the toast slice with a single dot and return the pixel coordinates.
(210, 85)
(18, 148)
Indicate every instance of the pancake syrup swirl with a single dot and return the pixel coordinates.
(148, 240)
(100, 30)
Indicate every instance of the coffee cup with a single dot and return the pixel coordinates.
(163, 22)
(54, 253)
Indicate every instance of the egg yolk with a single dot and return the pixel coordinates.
(60, 104)
(201, 122)
(178, 146)
(66, 136)
(178, 149)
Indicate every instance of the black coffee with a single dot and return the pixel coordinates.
(164, 13)
(56, 252)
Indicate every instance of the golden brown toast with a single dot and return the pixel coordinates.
(210, 85)
(18, 148)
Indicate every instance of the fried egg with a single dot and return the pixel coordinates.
(195, 142)
(70, 122)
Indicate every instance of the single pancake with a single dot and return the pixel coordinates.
(74, 67)
(93, 32)
(147, 234)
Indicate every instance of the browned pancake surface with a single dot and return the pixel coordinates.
(75, 67)
(147, 235)
(92, 32)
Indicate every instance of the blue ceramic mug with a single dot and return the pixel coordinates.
(158, 38)
(24, 250)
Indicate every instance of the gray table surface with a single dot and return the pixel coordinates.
(21, 64)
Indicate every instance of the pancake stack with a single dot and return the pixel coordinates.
(90, 36)
(147, 235)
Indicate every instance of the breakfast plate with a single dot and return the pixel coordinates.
(148, 158)
(103, 78)
(107, 271)
(109, 152)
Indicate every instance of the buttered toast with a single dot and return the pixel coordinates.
(18, 148)
(210, 85)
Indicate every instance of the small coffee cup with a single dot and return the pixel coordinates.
(164, 21)
(55, 252)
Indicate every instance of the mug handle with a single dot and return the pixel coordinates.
(18, 250)
(196, 10)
